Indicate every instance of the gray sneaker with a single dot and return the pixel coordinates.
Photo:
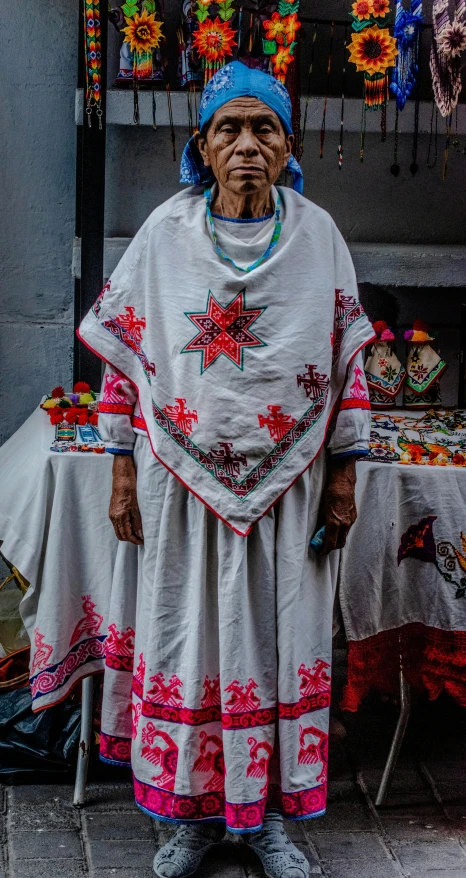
(183, 854)
(280, 858)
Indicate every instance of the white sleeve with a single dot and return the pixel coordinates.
(116, 408)
(352, 426)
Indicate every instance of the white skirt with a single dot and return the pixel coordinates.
(217, 681)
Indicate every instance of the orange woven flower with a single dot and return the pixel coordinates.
(373, 50)
(275, 28)
(214, 39)
(292, 26)
(281, 62)
(381, 8)
(143, 32)
(362, 9)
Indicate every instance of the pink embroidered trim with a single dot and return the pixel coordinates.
(115, 408)
(119, 648)
(354, 404)
(231, 721)
(114, 749)
(53, 678)
(241, 817)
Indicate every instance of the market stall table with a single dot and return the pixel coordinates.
(403, 571)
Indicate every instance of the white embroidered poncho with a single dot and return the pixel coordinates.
(235, 376)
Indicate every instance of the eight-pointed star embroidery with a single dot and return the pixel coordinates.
(224, 329)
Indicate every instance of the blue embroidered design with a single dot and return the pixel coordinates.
(276, 86)
(223, 80)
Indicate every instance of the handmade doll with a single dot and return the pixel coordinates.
(384, 373)
(424, 368)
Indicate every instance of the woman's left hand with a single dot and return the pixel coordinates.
(339, 502)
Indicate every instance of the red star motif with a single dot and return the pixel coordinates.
(224, 330)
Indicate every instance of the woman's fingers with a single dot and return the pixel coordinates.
(137, 525)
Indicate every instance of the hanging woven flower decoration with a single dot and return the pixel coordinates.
(362, 10)
(373, 50)
(143, 32)
(452, 39)
(214, 41)
(380, 8)
(407, 32)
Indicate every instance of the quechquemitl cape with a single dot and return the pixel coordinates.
(237, 374)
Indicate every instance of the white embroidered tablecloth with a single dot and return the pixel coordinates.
(403, 571)
(55, 529)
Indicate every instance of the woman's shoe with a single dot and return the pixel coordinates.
(183, 854)
(280, 858)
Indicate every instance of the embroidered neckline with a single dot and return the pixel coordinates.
(273, 241)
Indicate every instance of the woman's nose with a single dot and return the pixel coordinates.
(246, 141)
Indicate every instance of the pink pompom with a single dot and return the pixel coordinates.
(387, 335)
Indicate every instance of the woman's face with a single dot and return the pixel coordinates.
(246, 146)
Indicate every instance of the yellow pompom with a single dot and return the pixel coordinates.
(85, 398)
(49, 404)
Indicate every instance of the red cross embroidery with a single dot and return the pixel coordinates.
(224, 330)
(277, 422)
(314, 383)
(181, 416)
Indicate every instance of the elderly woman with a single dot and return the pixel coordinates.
(234, 401)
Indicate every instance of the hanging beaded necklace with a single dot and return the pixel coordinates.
(273, 241)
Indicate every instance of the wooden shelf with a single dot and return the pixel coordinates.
(388, 265)
(120, 112)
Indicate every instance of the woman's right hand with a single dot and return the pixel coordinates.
(124, 509)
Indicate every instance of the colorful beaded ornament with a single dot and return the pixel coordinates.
(273, 241)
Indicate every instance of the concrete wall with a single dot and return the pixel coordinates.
(38, 200)
(38, 186)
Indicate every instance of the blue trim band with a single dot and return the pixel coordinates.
(359, 453)
(255, 219)
(119, 451)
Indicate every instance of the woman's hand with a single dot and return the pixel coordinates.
(339, 502)
(124, 510)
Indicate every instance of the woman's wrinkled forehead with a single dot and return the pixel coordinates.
(243, 110)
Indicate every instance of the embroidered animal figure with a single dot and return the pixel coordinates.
(166, 756)
(181, 416)
(314, 383)
(314, 679)
(141, 670)
(42, 652)
(211, 697)
(211, 759)
(226, 457)
(357, 389)
(90, 624)
(277, 423)
(113, 390)
(120, 643)
(136, 712)
(165, 693)
(258, 767)
(313, 753)
(131, 323)
(243, 698)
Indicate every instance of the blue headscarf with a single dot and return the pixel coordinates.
(235, 80)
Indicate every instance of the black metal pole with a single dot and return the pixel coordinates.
(462, 372)
(91, 204)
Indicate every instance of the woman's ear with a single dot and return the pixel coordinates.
(201, 143)
(289, 147)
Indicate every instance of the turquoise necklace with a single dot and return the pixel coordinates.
(273, 242)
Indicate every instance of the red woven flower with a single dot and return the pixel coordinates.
(55, 415)
(93, 419)
(81, 387)
(57, 392)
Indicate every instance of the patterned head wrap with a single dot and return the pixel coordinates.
(235, 80)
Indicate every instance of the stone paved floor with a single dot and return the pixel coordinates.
(421, 833)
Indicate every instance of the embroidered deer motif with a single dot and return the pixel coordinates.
(113, 390)
(243, 698)
(166, 756)
(165, 693)
(91, 622)
(141, 670)
(313, 753)
(211, 759)
(136, 712)
(314, 679)
(42, 653)
(357, 389)
(211, 697)
(258, 767)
